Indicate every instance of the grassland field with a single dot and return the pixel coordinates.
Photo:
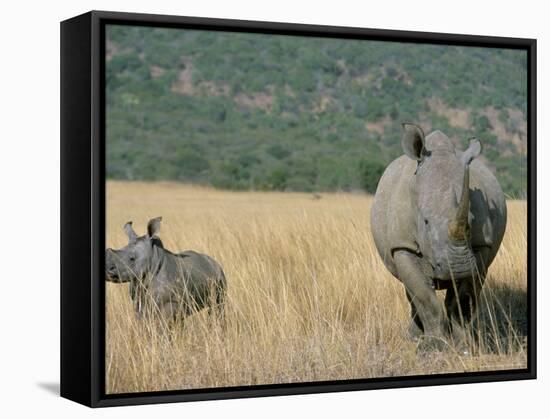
(309, 298)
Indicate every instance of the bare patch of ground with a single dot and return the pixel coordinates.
(374, 79)
(378, 126)
(156, 71)
(184, 83)
(321, 105)
(514, 130)
(260, 100)
(457, 117)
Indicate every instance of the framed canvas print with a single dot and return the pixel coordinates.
(254, 209)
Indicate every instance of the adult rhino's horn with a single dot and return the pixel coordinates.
(458, 228)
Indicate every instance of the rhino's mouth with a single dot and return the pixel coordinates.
(112, 276)
(458, 262)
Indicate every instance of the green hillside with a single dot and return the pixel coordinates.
(249, 111)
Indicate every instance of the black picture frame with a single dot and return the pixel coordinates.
(83, 207)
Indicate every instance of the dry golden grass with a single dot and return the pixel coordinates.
(308, 296)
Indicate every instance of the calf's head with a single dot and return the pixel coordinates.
(441, 201)
(134, 260)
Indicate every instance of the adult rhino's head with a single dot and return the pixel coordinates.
(134, 260)
(441, 201)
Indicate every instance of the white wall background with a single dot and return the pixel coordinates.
(29, 205)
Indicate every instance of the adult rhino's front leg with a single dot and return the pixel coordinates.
(427, 311)
(461, 308)
(415, 330)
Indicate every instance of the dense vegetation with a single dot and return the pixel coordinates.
(250, 111)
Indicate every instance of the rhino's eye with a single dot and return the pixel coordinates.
(132, 258)
(426, 221)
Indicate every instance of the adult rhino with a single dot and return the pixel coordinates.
(162, 282)
(438, 219)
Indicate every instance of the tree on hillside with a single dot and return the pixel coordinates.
(370, 171)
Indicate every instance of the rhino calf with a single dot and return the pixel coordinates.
(172, 285)
(438, 219)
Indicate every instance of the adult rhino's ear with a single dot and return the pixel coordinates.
(412, 141)
(132, 236)
(473, 150)
(153, 227)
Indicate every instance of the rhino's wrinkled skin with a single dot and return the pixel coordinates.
(162, 282)
(438, 219)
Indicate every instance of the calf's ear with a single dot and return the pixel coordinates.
(130, 231)
(412, 141)
(153, 227)
(473, 150)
